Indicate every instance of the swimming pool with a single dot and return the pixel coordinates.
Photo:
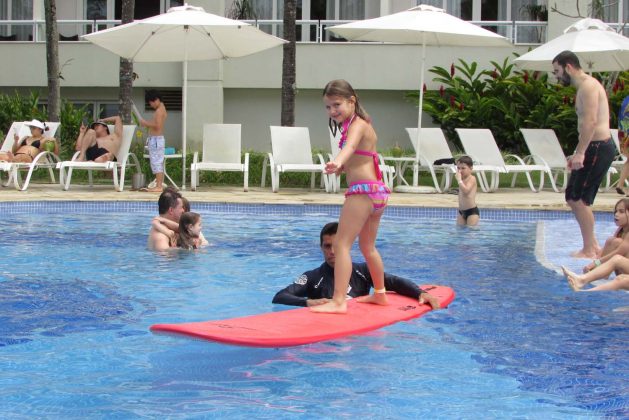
(79, 292)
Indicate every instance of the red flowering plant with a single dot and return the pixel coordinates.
(505, 99)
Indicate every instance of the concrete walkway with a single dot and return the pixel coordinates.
(511, 198)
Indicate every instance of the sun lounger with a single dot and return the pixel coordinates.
(43, 160)
(291, 152)
(480, 145)
(124, 158)
(221, 152)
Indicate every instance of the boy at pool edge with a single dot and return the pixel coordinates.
(468, 211)
(365, 198)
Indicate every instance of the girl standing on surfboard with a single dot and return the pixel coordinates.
(365, 198)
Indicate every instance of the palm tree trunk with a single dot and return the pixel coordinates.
(288, 64)
(126, 69)
(52, 60)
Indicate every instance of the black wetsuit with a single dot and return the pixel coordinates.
(319, 284)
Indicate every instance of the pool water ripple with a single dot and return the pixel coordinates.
(515, 343)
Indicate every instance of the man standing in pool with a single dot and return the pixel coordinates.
(170, 206)
(595, 151)
(316, 287)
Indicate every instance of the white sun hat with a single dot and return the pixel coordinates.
(36, 123)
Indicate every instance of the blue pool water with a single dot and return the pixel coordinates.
(78, 292)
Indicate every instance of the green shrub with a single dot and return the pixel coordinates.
(504, 100)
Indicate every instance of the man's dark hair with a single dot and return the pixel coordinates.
(167, 200)
(466, 160)
(151, 94)
(329, 229)
(567, 57)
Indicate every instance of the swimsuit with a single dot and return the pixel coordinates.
(156, 153)
(583, 183)
(469, 212)
(377, 191)
(94, 152)
(35, 144)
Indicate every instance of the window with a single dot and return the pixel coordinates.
(172, 99)
(16, 10)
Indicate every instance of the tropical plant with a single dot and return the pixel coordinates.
(52, 60)
(288, 64)
(503, 99)
(125, 73)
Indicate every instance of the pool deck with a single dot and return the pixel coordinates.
(507, 198)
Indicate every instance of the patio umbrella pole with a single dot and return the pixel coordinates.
(183, 110)
(419, 114)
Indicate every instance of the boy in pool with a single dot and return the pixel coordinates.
(468, 212)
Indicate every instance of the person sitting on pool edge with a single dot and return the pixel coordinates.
(316, 287)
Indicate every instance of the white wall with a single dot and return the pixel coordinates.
(257, 109)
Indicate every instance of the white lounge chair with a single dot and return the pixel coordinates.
(481, 146)
(43, 160)
(388, 171)
(123, 159)
(291, 152)
(546, 150)
(7, 146)
(432, 147)
(221, 152)
(620, 159)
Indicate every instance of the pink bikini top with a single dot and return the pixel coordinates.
(343, 140)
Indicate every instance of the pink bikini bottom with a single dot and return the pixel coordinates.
(376, 190)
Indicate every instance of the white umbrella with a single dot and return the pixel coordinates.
(184, 33)
(598, 47)
(422, 25)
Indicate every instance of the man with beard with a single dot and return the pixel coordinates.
(595, 150)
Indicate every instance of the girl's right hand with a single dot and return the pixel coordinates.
(589, 267)
(331, 168)
(16, 137)
(82, 129)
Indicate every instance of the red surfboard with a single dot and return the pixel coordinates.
(301, 326)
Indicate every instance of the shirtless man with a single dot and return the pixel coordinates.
(595, 150)
(170, 206)
(97, 143)
(155, 141)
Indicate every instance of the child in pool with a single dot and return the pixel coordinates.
(468, 211)
(618, 243)
(186, 234)
(365, 199)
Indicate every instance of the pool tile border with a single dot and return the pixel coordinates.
(281, 209)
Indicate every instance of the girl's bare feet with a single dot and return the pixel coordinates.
(376, 298)
(330, 308)
(574, 281)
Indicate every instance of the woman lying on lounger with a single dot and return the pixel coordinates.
(617, 264)
(25, 149)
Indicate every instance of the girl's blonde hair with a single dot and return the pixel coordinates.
(186, 240)
(343, 89)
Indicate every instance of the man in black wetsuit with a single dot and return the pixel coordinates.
(316, 287)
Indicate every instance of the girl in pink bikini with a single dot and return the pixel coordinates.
(365, 199)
